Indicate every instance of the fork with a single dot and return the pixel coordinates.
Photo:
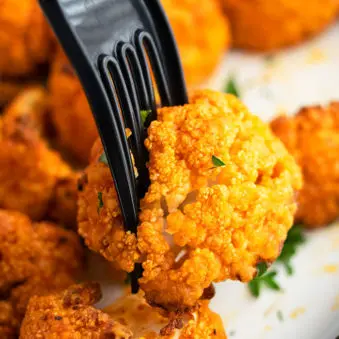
(115, 46)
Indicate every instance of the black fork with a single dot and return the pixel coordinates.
(113, 46)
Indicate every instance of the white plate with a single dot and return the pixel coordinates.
(309, 302)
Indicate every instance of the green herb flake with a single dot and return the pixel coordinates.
(217, 162)
(263, 278)
(232, 333)
(280, 316)
(261, 269)
(103, 159)
(231, 87)
(144, 115)
(295, 238)
(100, 202)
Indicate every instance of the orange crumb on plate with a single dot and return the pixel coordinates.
(330, 268)
(297, 312)
(335, 306)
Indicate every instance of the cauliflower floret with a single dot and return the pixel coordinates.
(199, 222)
(312, 137)
(30, 172)
(36, 259)
(63, 207)
(70, 111)
(25, 38)
(99, 216)
(266, 25)
(200, 49)
(70, 314)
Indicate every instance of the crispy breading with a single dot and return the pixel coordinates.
(10, 88)
(8, 321)
(30, 171)
(312, 136)
(70, 315)
(200, 49)
(71, 114)
(25, 38)
(102, 227)
(36, 259)
(63, 207)
(199, 223)
(266, 25)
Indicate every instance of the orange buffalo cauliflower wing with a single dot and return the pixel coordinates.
(202, 33)
(71, 113)
(63, 206)
(265, 25)
(36, 259)
(25, 38)
(312, 136)
(30, 171)
(10, 88)
(70, 314)
(221, 200)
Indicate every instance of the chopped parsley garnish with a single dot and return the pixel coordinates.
(295, 238)
(266, 279)
(144, 115)
(280, 316)
(217, 162)
(103, 159)
(100, 202)
(231, 87)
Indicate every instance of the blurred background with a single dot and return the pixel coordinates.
(205, 32)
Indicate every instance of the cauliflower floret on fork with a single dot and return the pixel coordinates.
(221, 199)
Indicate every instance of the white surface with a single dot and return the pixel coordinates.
(308, 74)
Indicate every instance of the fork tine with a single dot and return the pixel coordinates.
(119, 93)
(147, 45)
(131, 67)
(129, 54)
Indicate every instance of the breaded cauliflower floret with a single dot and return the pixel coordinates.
(312, 137)
(200, 49)
(10, 88)
(36, 259)
(71, 113)
(266, 25)
(63, 207)
(199, 223)
(25, 38)
(29, 170)
(8, 323)
(99, 216)
(70, 314)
